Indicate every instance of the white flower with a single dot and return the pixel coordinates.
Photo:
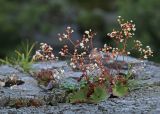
(47, 56)
(96, 65)
(60, 39)
(84, 53)
(72, 65)
(145, 57)
(121, 40)
(65, 36)
(87, 32)
(128, 29)
(128, 53)
(82, 45)
(86, 40)
(38, 53)
(72, 31)
(50, 48)
(57, 58)
(133, 29)
(52, 56)
(62, 54)
(68, 27)
(147, 46)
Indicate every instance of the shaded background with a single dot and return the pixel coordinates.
(41, 20)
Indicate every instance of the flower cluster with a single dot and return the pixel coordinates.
(127, 31)
(45, 53)
(88, 38)
(138, 45)
(64, 51)
(127, 28)
(78, 58)
(95, 54)
(115, 52)
(146, 52)
(121, 38)
(93, 69)
(66, 35)
(117, 35)
(106, 48)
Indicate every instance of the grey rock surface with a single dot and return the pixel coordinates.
(128, 59)
(143, 99)
(50, 65)
(5, 69)
(29, 90)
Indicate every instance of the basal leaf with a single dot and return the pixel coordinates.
(120, 90)
(100, 94)
(79, 96)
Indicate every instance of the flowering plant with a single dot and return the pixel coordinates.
(99, 80)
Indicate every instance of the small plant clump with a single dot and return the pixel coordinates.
(102, 84)
(48, 78)
(19, 103)
(22, 57)
(44, 76)
(12, 80)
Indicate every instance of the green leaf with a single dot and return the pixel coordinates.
(119, 89)
(100, 94)
(79, 96)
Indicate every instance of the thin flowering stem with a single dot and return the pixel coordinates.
(72, 43)
(91, 43)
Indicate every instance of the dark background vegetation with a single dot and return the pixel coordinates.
(41, 20)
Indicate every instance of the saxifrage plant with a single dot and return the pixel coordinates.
(99, 81)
